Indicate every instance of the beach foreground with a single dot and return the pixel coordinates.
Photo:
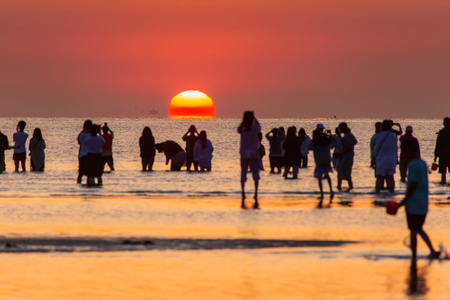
(166, 248)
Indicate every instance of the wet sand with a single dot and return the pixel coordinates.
(208, 248)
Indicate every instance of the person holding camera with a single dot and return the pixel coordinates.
(107, 157)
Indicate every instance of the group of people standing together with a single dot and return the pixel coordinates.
(36, 149)
(290, 151)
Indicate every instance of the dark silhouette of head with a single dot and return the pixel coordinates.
(446, 122)
(386, 125)
(37, 134)
(301, 132)
(337, 131)
(247, 122)
(87, 125)
(160, 147)
(291, 132)
(320, 138)
(95, 130)
(274, 131)
(21, 126)
(377, 127)
(147, 132)
(343, 127)
(105, 128)
(192, 129)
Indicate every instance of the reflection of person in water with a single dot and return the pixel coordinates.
(417, 280)
(203, 150)
(173, 153)
(416, 198)
(190, 137)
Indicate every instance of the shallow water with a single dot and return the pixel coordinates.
(61, 160)
(141, 236)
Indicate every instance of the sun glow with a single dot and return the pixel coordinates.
(192, 104)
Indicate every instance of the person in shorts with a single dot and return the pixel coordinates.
(416, 198)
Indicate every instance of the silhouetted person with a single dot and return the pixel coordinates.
(403, 165)
(4, 145)
(344, 169)
(173, 153)
(20, 149)
(386, 150)
(37, 153)
(442, 150)
(107, 157)
(305, 140)
(292, 154)
(94, 144)
(372, 144)
(203, 150)
(147, 149)
(416, 198)
(320, 146)
(249, 152)
(262, 152)
(82, 153)
(336, 145)
(190, 137)
(275, 139)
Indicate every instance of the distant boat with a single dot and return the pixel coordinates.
(153, 111)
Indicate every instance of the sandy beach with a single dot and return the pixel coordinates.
(185, 248)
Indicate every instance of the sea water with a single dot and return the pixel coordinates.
(180, 235)
(61, 164)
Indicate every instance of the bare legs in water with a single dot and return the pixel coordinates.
(255, 205)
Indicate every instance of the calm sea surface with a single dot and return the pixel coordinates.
(61, 159)
(179, 235)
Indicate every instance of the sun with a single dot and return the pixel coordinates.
(192, 104)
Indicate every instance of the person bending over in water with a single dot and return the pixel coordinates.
(173, 153)
(249, 152)
(416, 198)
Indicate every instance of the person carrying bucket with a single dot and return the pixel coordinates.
(416, 198)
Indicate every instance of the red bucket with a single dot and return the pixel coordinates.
(434, 166)
(391, 207)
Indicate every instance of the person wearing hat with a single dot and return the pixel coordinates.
(404, 161)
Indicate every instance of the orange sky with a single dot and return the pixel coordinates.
(285, 58)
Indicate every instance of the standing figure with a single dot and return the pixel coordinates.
(344, 169)
(372, 144)
(386, 150)
(403, 165)
(305, 140)
(320, 146)
(107, 157)
(174, 153)
(442, 150)
(203, 150)
(292, 154)
(416, 198)
(275, 150)
(20, 149)
(249, 152)
(82, 153)
(4, 145)
(190, 137)
(262, 152)
(37, 154)
(337, 149)
(94, 144)
(147, 149)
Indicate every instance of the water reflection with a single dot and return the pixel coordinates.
(417, 280)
